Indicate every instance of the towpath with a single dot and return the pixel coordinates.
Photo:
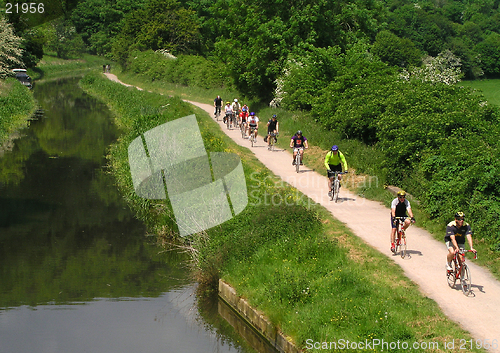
(479, 313)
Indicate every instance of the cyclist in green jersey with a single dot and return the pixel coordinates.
(334, 161)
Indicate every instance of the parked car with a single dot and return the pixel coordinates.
(23, 77)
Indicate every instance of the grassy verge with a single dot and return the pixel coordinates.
(51, 67)
(303, 269)
(16, 106)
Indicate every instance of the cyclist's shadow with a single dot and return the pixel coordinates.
(409, 253)
(345, 199)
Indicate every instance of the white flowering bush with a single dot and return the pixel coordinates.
(10, 51)
(445, 68)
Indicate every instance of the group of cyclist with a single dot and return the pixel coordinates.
(456, 231)
(239, 115)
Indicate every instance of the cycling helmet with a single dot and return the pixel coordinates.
(235, 100)
(335, 148)
(275, 117)
(228, 103)
(401, 193)
(252, 113)
(299, 132)
(460, 215)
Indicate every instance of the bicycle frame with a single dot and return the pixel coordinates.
(400, 241)
(335, 186)
(297, 157)
(460, 272)
(271, 137)
(243, 129)
(253, 138)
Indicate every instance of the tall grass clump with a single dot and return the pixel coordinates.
(16, 106)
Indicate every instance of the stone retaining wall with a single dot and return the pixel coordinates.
(258, 321)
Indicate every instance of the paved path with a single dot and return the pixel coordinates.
(371, 221)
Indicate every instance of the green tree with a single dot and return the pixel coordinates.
(489, 51)
(161, 24)
(99, 21)
(63, 39)
(396, 51)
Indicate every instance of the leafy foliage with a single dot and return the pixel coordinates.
(188, 70)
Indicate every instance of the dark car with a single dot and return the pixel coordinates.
(23, 77)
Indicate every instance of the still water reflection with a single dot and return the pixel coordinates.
(77, 273)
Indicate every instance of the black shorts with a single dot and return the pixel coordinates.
(333, 169)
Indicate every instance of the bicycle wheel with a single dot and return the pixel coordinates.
(336, 190)
(297, 162)
(402, 245)
(451, 276)
(252, 138)
(465, 280)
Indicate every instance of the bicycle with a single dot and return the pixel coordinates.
(335, 186)
(217, 112)
(243, 129)
(400, 241)
(272, 140)
(253, 138)
(298, 160)
(229, 120)
(460, 271)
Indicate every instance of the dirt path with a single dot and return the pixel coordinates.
(479, 313)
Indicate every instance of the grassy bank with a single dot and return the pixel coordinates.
(16, 106)
(51, 67)
(305, 270)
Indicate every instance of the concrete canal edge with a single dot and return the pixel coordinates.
(255, 319)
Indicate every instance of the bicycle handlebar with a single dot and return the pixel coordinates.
(463, 251)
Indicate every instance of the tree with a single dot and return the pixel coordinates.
(162, 24)
(63, 39)
(396, 51)
(10, 48)
(489, 51)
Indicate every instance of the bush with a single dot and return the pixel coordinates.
(186, 70)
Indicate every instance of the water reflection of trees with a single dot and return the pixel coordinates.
(65, 233)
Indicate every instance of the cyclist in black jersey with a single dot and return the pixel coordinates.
(217, 105)
(456, 232)
(272, 127)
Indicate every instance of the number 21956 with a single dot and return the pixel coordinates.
(25, 7)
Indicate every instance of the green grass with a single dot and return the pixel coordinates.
(16, 106)
(197, 94)
(489, 88)
(290, 258)
(51, 67)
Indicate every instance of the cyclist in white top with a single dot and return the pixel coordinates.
(228, 109)
(253, 123)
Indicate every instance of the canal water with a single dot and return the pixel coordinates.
(77, 270)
